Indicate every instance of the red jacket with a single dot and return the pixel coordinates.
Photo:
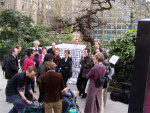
(27, 63)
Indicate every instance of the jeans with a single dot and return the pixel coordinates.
(18, 102)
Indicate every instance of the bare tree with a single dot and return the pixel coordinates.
(137, 9)
(86, 18)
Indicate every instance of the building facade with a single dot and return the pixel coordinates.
(26, 7)
(122, 17)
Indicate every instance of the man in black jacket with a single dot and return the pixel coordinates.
(12, 64)
(51, 50)
(86, 64)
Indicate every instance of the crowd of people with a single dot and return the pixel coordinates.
(51, 73)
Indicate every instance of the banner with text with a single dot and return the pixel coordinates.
(76, 51)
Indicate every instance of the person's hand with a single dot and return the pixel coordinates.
(37, 52)
(34, 97)
(19, 71)
(65, 90)
(125, 62)
(55, 65)
(28, 102)
(83, 57)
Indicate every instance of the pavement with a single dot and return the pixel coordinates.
(111, 107)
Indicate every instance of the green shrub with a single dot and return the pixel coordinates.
(124, 47)
(16, 29)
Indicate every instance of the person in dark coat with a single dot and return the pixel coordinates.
(94, 95)
(66, 67)
(57, 59)
(106, 84)
(52, 85)
(18, 56)
(37, 51)
(86, 64)
(51, 50)
(41, 72)
(12, 64)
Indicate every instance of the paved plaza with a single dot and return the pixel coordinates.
(112, 107)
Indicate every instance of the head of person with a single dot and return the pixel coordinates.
(53, 45)
(56, 51)
(86, 51)
(44, 50)
(48, 57)
(31, 71)
(97, 44)
(98, 57)
(48, 66)
(19, 48)
(105, 54)
(96, 50)
(30, 53)
(14, 51)
(77, 41)
(36, 44)
(67, 52)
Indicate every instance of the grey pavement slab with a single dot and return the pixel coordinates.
(111, 107)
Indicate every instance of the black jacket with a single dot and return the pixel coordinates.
(66, 67)
(36, 57)
(86, 65)
(11, 67)
(50, 50)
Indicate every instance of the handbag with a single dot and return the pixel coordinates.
(100, 81)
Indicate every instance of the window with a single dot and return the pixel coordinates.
(30, 9)
(46, 6)
(30, 1)
(24, 7)
(24, 0)
(8, 6)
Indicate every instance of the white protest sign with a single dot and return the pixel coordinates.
(114, 59)
(76, 51)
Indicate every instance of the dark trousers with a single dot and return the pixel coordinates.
(65, 81)
(32, 85)
(81, 84)
(40, 95)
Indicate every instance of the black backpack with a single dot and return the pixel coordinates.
(4, 63)
(115, 95)
(125, 96)
(126, 86)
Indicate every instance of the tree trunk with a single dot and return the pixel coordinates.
(131, 18)
(102, 28)
(43, 13)
(115, 26)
